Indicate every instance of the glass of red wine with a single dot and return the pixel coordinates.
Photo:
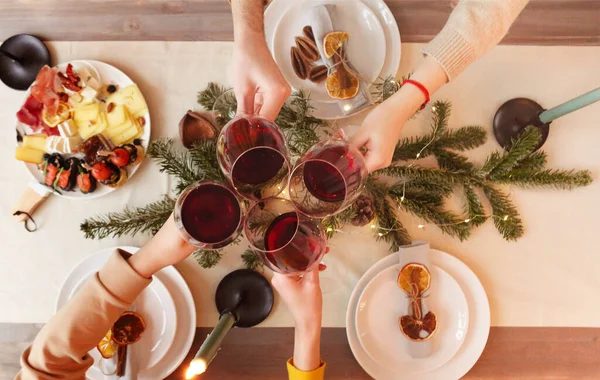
(209, 215)
(254, 156)
(284, 239)
(328, 178)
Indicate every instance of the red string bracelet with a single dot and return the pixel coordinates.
(420, 87)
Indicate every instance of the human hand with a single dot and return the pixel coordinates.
(166, 248)
(258, 84)
(303, 297)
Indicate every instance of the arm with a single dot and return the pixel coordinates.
(60, 350)
(258, 83)
(303, 297)
(474, 27)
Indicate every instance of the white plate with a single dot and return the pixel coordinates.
(167, 307)
(383, 302)
(477, 333)
(108, 74)
(366, 45)
(326, 110)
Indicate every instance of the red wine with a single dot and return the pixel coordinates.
(210, 213)
(256, 166)
(292, 245)
(325, 171)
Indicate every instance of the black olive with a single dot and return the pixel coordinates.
(111, 89)
(46, 157)
(137, 142)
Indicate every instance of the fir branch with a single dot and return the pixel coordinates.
(499, 164)
(391, 229)
(505, 214)
(461, 139)
(208, 259)
(205, 160)
(210, 94)
(535, 161)
(429, 174)
(558, 179)
(473, 207)
(174, 162)
(443, 188)
(335, 222)
(130, 221)
(452, 161)
(297, 123)
(408, 148)
(251, 260)
(440, 116)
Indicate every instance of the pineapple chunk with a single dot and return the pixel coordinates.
(86, 113)
(117, 117)
(132, 98)
(37, 142)
(33, 156)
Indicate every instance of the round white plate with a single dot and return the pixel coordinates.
(366, 45)
(108, 74)
(327, 110)
(383, 302)
(477, 333)
(167, 307)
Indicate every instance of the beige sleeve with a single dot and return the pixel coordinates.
(474, 27)
(60, 350)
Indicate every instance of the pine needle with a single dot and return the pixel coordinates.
(251, 260)
(130, 221)
(452, 161)
(204, 159)
(505, 214)
(473, 207)
(332, 224)
(499, 164)
(208, 259)
(173, 162)
(210, 94)
(548, 178)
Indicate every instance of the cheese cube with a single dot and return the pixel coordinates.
(33, 156)
(88, 94)
(68, 128)
(37, 142)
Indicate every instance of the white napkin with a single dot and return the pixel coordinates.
(421, 249)
(322, 22)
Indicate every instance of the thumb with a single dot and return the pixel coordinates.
(360, 138)
(312, 276)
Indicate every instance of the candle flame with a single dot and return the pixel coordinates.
(197, 367)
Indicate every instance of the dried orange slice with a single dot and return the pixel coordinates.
(333, 41)
(128, 328)
(107, 347)
(63, 113)
(418, 330)
(342, 84)
(417, 274)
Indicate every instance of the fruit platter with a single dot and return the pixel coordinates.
(83, 129)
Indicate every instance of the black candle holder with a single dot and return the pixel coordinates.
(514, 116)
(247, 295)
(21, 58)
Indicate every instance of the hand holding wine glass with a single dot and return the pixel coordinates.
(304, 299)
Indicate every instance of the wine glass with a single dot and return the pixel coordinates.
(225, 107)
(328, 178)
(254, 156)
(284, 239)
(209, 215)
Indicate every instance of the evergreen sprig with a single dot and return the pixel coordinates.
(174, 162)
(208, 97)
(203, 157)
(208, 259)
(251, 260)
(130, 221)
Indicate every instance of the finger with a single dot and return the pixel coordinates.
(360, 138)
(245, 101)
(312, 276)
(273, 100)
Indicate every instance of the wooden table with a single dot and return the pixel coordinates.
(260, 353)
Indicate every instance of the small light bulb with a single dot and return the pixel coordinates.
(433, 108)
(467, 220)
(420, 226)
(372, 226)
(418, 155)
(347, 107)
(402, 199)
(380, 234)
(329, 229)
(505, 218)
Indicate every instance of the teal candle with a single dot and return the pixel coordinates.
(570, 106)
(211, 346)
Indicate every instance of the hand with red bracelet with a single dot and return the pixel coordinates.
(381, 128)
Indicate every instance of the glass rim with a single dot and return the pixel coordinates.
(185, 193)
(275, 198)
